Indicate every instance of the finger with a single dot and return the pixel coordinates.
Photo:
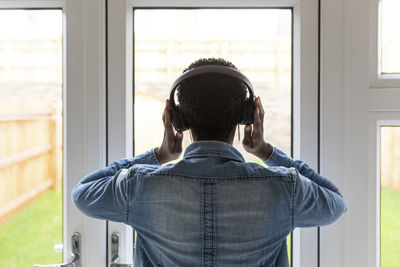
(169, 136)
(167, 118)
(258, 122)
(167, 112)
(262, 113)
(164, 119)
(247, 141)
(260, 106)
(256, 118)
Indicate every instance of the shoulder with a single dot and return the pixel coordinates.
(142, 169)
(275, 172)
(227, 171)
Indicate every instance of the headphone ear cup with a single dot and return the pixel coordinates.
(248, 112)
(175, 118)
(182, 119)
(178, 120)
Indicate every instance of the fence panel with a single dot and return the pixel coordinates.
(390, 157)
(30, 158)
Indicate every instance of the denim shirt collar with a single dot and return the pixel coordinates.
(201, 149)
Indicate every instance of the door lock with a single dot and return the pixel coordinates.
(75, 255)
(115, 252)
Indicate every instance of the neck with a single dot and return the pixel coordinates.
(229, 140)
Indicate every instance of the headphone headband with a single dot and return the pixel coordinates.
(219, 69)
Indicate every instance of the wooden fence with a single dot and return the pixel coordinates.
(390, 157)
(30, 158)
(262, 60)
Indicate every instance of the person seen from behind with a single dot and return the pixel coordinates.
(211, 208)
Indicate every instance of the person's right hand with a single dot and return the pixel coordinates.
(171, 147)
(253, 141)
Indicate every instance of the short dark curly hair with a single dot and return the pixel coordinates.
(212, 104)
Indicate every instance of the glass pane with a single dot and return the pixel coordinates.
(164, 46)
(390, 36)
(390, 196)
(30, 136)
(259, 44)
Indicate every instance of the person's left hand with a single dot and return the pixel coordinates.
(253, 141)
(171, 147)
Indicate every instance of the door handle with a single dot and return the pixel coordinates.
(75, 255)
(114, 252)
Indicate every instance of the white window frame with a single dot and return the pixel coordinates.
(85, 128)
(384, 110)
(83, 113)
(377, 79)
(377, 120)
(354, 100)
(305, 95)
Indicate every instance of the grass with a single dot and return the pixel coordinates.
(30, 235)
(258, 162)
(390, 228)
(289, 245)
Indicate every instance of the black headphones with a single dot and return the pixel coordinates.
(177, 117)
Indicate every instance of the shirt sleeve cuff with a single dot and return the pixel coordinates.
(279, 158)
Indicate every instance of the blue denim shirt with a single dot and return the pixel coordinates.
(211, 208)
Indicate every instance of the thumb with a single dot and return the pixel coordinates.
(178, 141)
(247, 136)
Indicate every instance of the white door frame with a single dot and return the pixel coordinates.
(355, 100)
(383, 110)
(305, 97)
(120, 105)
(332, 242)
(83, 113)
(84, 118)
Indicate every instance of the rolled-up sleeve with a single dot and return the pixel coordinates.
(103, 193)
(316, 200)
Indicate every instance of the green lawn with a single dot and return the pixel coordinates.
(289, 245)
(29, 236)
(390, 228)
